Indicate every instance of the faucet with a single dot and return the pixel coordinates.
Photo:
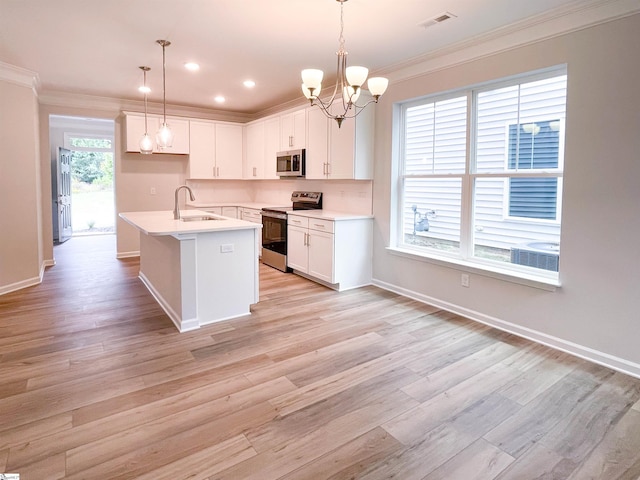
(176, 208)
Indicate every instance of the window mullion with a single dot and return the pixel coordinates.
(466, 220)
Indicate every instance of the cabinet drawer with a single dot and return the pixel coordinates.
(321, 225)
(298, 221)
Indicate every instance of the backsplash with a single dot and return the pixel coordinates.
(347, 196)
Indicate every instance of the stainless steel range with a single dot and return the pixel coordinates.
(274, 227)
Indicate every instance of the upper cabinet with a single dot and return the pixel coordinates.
(134, 129)
(216, 150)
(344, 152)
(254, 149)
(293, 130)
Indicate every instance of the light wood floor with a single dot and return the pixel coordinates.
(96, 383)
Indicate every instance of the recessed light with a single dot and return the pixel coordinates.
(249, 83)
(192, 66)
(219, 99)
(143, 89)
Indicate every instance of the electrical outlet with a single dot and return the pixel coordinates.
(226, 248)
(464, 280)
(152, 191)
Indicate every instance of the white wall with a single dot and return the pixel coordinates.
(21, 256)
(596, 312)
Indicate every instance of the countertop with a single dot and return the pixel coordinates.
(162, 222)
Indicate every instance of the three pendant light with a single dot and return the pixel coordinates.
(164, 136)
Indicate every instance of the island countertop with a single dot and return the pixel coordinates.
(163, 223)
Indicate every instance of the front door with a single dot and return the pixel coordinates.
(64, 195)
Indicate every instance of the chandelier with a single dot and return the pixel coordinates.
(349, 82)
(164, 137)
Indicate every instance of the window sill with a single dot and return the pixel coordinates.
(535, 281)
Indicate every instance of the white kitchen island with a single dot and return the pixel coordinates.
(200, 271)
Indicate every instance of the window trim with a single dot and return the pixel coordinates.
(465, 259)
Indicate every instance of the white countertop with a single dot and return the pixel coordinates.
(329, 215)
(162, 222)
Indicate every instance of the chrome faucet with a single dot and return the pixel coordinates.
(176, 208)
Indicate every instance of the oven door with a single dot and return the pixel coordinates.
(274, 232)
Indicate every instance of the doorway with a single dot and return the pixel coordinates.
(89, 209)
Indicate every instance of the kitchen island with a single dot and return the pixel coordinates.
(202, 268)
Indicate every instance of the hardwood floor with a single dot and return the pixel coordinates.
(97, 383)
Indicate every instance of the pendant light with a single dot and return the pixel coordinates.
(146, 144)
(164, 137)
(349, 81)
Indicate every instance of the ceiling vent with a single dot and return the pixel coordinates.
(437, 19)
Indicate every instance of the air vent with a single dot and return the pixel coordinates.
(437, 19)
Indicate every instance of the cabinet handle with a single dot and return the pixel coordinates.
(255, 171)
(291, 140)
(317, 225)
(328, 168)
(218, 170)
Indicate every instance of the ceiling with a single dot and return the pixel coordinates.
(95, 47)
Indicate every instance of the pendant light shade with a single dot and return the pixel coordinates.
(146, 144)
(164, 137)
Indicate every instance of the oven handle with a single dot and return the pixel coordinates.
(281, 216)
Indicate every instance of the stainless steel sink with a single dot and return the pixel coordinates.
(201, 218)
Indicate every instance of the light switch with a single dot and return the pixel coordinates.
(226, 248)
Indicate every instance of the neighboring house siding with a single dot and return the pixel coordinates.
(494, 226)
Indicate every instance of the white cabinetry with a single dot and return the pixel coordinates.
(254, 160)
(293, 130)
(231, 212)
(134, 129)
(344, 152)
(216, 150)
(272, 146)
(254, 216)
(335, 253)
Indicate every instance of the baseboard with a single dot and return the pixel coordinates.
(12, 287)
(182, 326)
(586, 353)
(127, 254)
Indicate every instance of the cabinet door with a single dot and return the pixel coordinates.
(321, 255)
(202, 150)
(293, 130)
(181, 135)
(254, 151)
(297, 251)
(231, 212)
(272, 146)
(317, 151)
(341, 151)
(228, 151)
(134, 129)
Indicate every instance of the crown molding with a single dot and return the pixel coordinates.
(116, 105)
(553, 23)
(19, 76)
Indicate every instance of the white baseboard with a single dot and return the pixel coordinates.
(127, 254)
(586, 353)
(12, 287)
(181, 325)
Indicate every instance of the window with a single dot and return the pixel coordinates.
(480, 174)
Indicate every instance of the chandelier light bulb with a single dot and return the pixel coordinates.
(312, 78)
(377, 85)
(356, 76)
(350, 94)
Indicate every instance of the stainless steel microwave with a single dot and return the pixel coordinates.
(290, 163)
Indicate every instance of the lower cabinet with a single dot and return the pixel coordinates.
(255, 216)
(334, 252)
(231, 212)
